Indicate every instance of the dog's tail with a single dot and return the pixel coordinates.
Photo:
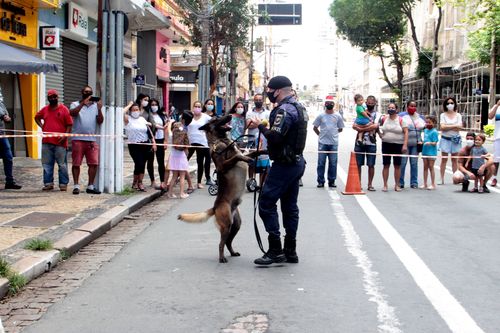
(197, 217)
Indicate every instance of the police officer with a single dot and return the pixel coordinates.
(286, 140)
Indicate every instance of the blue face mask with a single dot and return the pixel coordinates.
(210, 107)
(391, 111)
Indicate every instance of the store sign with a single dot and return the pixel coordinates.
(162, 56)
(140, 80)
(49, 38)
(182, 76)
(78, 20)
(18, 24)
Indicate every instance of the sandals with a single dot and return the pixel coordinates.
(190, 190)
(140, 187)
(184, 195)
(371, 189)
(200, 186)
(397, 189)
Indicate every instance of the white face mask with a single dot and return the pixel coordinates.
(135, 114)
(240, 110)
(154, 108)
(469, 143)
(145, 103)
(450, 107)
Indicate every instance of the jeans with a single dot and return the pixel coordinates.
(332, 163)
(6, 154)
(282, 183)
(412, 150)
(54, 154)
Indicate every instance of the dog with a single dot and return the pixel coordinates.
(231, 165)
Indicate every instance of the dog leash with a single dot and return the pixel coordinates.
(255, 202)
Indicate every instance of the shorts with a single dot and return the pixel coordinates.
(391, 148)
(447, 146)
(370, 158)
(496, 150)
(262, 166)
(89, 149)
(429, 157)
(362, 121)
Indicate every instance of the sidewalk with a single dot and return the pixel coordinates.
(69, 221)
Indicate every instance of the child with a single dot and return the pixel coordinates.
(362, 118)
(429, 150)
(238, 122)
(178, 162)
(477, 152)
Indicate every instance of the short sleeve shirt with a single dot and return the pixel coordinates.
(329, 125)
(264, 114)
(55, 121)
(476, 152)
(85, 122)
(137, 130)
(444, 119)
(392, 130)
(497, 124)
(195, 135)
(430, 135)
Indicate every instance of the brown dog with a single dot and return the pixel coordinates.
(231, 166)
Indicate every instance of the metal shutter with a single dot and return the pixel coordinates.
(75, 63)
(55, 80)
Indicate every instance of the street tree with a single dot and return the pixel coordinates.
(228, 26)
(377, 28)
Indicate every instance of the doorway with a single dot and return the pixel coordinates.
(12, 100)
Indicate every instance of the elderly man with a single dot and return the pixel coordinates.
(286, 141)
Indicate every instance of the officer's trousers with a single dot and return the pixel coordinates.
(282, 184)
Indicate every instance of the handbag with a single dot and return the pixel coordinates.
(456, 139)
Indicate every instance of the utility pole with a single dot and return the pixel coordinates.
(204, 70)
(250, 74)
(493, 69)
(233, 63)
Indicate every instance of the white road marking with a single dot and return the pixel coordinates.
(388, 321)
(448, 307)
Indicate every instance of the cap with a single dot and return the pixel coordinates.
(329, 98)
(52, 92)
(279, 82)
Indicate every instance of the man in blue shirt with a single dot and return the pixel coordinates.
(327, 126)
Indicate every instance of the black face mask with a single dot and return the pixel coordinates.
(329, 106)
(86, 95)
(271, 96)
(370, 107)
(53, 102)
(258, 105)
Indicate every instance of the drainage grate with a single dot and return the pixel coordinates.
(39, 220)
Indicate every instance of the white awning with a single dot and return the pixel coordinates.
(182, 87)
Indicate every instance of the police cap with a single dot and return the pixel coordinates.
(279, 82)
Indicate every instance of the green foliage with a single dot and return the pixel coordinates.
(424, 66)
(16, 282)
(489, 130)
(64, 254)
(127, 190)
(37, 244)
(4, 267)
(480, 45)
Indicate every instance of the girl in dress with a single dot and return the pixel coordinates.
(178, 162)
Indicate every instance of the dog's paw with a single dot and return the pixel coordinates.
(235, 254)
(223, 260)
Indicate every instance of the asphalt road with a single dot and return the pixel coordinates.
(414, 261)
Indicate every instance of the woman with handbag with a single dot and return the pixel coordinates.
(450, 124)
(416, 124)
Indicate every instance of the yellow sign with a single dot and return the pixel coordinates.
(18, 24)
(49, 3)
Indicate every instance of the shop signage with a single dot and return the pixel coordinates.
(49, 38)
(162, 56)
(182, 76)
(140, 80)
(78, 20)
(18, 24)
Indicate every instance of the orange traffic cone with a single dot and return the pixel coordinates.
(353, 185)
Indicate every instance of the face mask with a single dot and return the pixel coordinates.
(154, 108)
(145, 103)
(86, 95)
(412, 110)
(240, 110)
(391, 111)
(370, 107)
(210, 107)
(271, 96)
(197, 110)
(258, 105)
(469, 143)
(53, 102)
(429, 126)
(135, 114)
(450, 107)
(329, 107)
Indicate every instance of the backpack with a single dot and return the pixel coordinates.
(179, 136)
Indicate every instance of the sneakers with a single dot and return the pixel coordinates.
(48, 187)
(210, 182)
(76, 191)
(12, 186)
(320, 185)
(63, 187)
(92, 191)
(332, 184)
(486, 189)
(300, 182)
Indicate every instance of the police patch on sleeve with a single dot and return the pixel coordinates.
(278, 120)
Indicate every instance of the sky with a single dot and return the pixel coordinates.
(308, 54)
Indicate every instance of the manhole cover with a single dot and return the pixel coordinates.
(39, 220)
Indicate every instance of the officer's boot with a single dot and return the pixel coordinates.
(274, 254)
(289, 250)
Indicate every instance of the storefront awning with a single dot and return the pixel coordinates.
(13, 60)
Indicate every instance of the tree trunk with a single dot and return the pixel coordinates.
(399, 70)
(384, 72)
(493, 69)
(435, 49)
(407, 12)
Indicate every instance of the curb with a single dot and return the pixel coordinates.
(40, 262)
